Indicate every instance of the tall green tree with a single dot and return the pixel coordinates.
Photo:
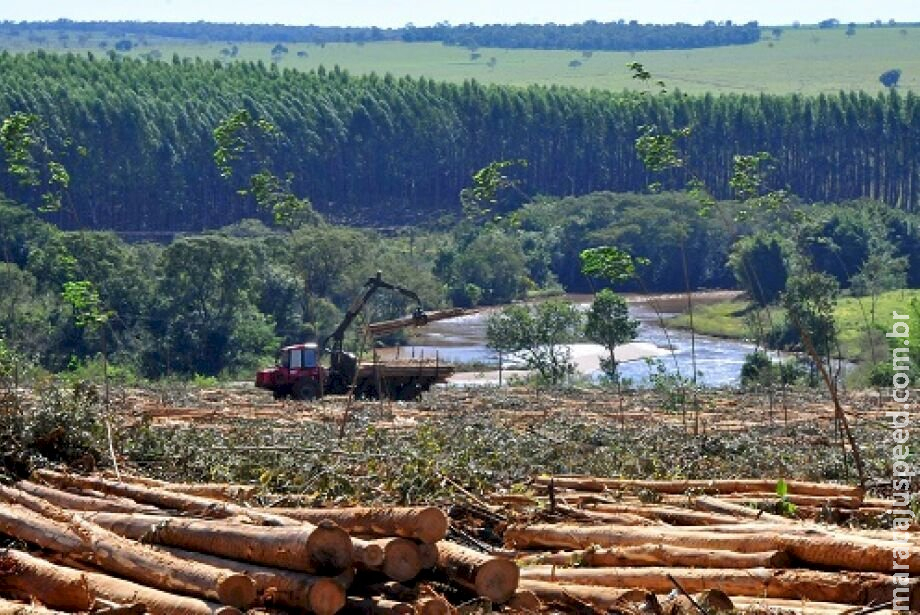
(206, 321)
(540, 333)
(608, 324)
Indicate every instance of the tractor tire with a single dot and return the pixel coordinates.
(304, 390)
(280, 393)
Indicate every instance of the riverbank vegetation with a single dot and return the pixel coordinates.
(221, 302)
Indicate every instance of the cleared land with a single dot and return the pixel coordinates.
(803, 60)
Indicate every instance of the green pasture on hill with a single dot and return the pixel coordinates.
(803, 60)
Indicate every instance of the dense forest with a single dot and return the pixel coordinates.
(591, 35)
(222, 302)
(137, 137)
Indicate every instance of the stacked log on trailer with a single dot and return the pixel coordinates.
(578, 544)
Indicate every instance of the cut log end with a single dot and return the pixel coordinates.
(326, 597)
(401, 561)
(497, 580)
(330, 548)
(525, 600)
(237, 590)
(433, 605)
(432, 525)
(428, 555)
(368, 554)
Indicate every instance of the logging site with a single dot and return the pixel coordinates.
(468, 500)
(456, 308)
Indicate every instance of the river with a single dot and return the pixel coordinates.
(718, 361)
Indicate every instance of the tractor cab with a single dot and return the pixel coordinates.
(300, 356)
(298, 373)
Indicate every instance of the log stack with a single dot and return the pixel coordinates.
(578, 544)
(154, 547)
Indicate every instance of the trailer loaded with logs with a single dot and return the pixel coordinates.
(301, 373)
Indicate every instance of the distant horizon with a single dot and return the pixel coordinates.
(761, 24)
(397, 13)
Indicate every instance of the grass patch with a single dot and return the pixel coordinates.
(722, 319)
(727, 318)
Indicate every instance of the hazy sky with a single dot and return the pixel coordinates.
(423, 12)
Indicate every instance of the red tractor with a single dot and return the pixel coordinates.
(300, 375)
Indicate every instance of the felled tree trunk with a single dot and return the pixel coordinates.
(71, 501)
(380, 606)
(28, 578)
(85, 541)
(11, 607)
(838, 551)
(604, 598)
(163, 498)
(843, 587)
(591, 483)
(661, 555)
(282, 588)
(217, 491)
(668, 514)
(491, 577)
(427, 524)
(325, 548)
(717, 505)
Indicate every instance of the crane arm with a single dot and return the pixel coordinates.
(372, 285)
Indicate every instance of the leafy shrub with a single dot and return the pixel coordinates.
(64, 425)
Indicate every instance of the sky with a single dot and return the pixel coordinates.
(396, 13)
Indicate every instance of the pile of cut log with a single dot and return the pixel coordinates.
(583, 545)
(607, 537)
(107, 545)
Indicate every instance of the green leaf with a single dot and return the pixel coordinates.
(610, 263)
(782, 489)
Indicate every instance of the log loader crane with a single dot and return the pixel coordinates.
(300, 374)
